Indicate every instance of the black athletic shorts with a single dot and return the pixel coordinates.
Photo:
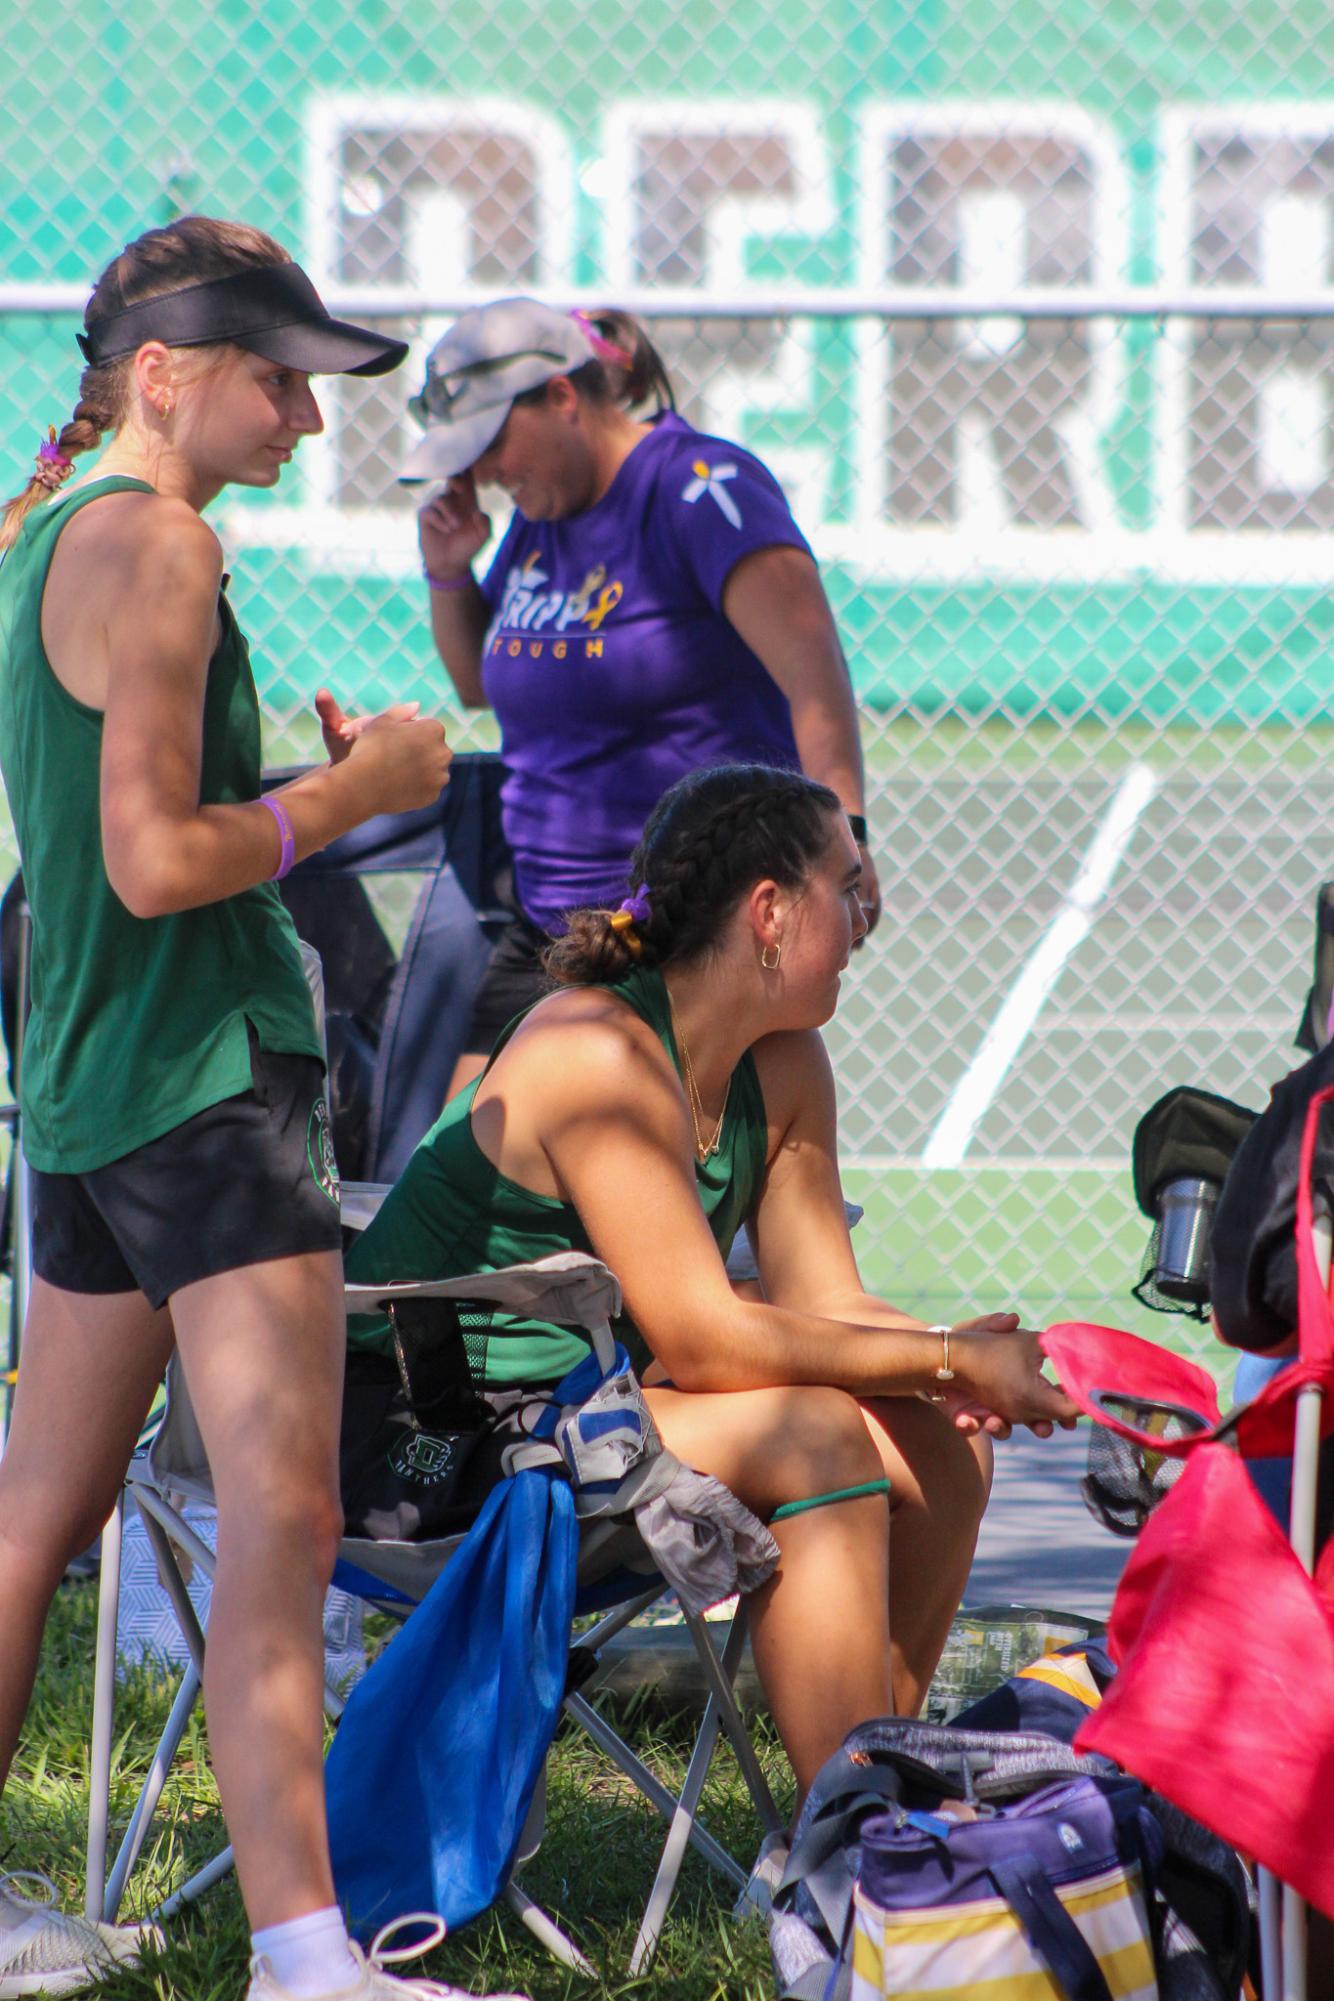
(247, 1180)
(512, 981)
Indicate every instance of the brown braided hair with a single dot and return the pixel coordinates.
(707, 842)
(190, 251)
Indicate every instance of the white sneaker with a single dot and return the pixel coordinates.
(758, 1895)
(47, 1951)
(374, 1982)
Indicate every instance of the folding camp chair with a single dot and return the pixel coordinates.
(571, 1289)
(1264, 1782)
(403, 911)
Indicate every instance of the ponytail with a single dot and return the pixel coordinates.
(637, 373)
(624, 367)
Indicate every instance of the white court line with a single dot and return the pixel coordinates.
(1024, 1003)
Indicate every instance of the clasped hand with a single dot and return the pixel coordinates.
(999, 1381)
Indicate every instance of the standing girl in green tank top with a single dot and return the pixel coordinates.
(172, 1084)
(675, 1086)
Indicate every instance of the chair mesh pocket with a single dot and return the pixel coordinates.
(1146, 1289)
(1125, 1482)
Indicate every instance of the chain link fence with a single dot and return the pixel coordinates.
(1030, 309)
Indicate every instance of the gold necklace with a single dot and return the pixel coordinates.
(704, 1148)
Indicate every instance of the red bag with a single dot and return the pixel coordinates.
(1224, 1701)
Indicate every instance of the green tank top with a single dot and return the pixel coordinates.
(136, 1023)
(451, 1212)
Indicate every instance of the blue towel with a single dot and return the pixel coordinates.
(441, 1745)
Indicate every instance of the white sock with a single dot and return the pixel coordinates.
(309, 1955)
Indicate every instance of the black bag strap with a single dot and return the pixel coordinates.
(432, 1361)
(819, 1862)
(1051, 1930)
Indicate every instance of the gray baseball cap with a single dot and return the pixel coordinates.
(474, 372)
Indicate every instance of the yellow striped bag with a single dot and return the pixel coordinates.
(1041, 1899)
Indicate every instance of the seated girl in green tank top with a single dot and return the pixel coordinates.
(674, 1086)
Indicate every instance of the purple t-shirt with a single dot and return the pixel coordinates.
(611, 667)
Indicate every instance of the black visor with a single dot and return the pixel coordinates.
(273, 310)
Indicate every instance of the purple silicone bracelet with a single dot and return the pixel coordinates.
(287, 854)
(449, 583)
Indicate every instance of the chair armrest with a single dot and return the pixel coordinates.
(569, 1287)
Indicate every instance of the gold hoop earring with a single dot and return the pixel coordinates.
(771, 965)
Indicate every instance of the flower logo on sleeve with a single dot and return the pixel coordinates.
(713, 481)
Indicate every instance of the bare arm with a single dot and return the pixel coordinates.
(586, 1093)
(801, 1235)
(453, 530)
(163, 850)
(776, 602)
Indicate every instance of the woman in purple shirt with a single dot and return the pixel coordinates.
(653, 607)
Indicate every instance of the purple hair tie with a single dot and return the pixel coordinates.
(625, 922)
(53, 466)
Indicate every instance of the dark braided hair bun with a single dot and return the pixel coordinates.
(589, 953)
(708, 841)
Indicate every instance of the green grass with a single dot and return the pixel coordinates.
(593, 1871)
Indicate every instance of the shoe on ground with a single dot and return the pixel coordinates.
(48, 1951)
(757, 1899)
(375, 1982)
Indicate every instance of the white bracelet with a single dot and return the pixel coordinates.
(944, 1374)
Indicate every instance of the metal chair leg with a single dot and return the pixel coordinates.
(546, 1931)
(721, 1677)
(655, 1792)
(151, 1792)
(203, 1879)
(720, 1712)
(104, 1711)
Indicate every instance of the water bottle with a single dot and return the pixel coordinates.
(1185, 1220)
